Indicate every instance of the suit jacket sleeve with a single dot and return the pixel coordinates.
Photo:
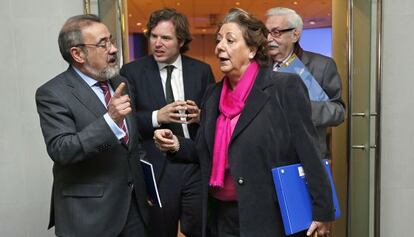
(331, 112)
(144, 117)
(297, 107)
(187, 152)
(66, 143)
(209, 75)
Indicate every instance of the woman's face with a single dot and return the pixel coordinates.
(231, 50)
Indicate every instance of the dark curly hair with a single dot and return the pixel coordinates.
(254, 32)
(179, 21)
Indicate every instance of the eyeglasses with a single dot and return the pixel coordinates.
(277, 33)
(104, 44)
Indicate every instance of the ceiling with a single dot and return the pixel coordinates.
(203, 15)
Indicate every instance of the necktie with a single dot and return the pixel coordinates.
(176, 128)
(107, 94)
(169, 96)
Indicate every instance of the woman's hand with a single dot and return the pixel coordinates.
(321, 229)
(165, 140)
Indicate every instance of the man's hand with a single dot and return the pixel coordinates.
(193, 112)
(172, 113)
(119, 106)
(165, 140)
(321, 229)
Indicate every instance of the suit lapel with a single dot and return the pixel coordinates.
(305, 59)
(84, 93)
(254, 103)
(188, 79)
(152, 74)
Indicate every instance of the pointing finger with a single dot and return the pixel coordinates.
(119, 89)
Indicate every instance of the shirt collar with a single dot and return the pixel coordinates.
(284, 60)
(89, 80)
(177, 64)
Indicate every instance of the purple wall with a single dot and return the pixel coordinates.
(317, 40)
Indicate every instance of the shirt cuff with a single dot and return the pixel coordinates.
(155, 123)
(118, 132)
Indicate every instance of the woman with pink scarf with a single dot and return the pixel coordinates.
(251, 121)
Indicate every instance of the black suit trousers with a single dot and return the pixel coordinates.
(180, 194)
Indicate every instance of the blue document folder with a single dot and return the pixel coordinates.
(151, 183)
(294, 198)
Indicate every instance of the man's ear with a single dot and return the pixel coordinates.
(296, 35)
(78, 55)
(181, 42)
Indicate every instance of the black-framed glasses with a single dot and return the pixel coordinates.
(104, 44)
(277, 33)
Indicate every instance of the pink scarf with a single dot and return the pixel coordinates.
(231, 105)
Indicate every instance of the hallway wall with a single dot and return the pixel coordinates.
(397, 206)
(30, 57)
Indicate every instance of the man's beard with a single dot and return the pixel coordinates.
(106, 73)
(109, 72)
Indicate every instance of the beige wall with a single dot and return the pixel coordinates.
(30, 57)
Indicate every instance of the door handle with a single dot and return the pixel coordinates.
(359, 114)
(362, 114)
(363, 147)
(359, 147)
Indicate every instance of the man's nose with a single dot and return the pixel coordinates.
(270, 37)
(113, 49)
(158, 42)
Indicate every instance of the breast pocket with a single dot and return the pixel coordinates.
(84, 190)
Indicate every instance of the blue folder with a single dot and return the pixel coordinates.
(294, 198)
(151, 183)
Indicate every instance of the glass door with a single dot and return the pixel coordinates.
(362, 114)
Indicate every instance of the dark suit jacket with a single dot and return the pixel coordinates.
(325, 113)
(178, 183)
(148, 95)
(274, 129)
(93, 172)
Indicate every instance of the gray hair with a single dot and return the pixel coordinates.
(71, 33)
(293, 18)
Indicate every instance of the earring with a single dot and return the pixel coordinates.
(251, 56)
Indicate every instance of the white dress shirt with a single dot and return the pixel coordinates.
(177, 84)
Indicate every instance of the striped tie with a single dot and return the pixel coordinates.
(105, 89)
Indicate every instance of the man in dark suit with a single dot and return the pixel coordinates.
(285, 27)
(91, 135)
(164, 85)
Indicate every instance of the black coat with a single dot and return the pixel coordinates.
(274, 129)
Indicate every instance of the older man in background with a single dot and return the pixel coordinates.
(318, 72)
